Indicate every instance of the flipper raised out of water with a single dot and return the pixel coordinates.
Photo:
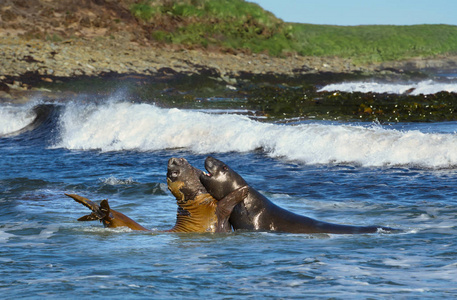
(109, 217)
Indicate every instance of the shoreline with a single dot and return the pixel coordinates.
(28, 63)
(75, 57)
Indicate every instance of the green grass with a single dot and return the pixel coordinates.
(227, 24)
(143, 11)
(241, 25)
(375, 43)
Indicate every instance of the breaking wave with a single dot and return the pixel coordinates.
(16, 120)
(144, 127)
(425, 87)
(13, 118)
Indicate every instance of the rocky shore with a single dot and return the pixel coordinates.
(75, 57)
(96, 57)
(26, 63)
(92, 38)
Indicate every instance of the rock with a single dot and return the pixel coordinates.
(86, 56)
(4, 87)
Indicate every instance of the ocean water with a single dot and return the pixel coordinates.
(398, 175)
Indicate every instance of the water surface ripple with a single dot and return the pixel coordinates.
(360, 174)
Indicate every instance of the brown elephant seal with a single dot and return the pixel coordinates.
(198, 211)
(109, 217)
(258, 213)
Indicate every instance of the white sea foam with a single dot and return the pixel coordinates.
(425, 87)
(4, 237)
(13, 118)
(125, 126)
(144, 127)
(112, 180)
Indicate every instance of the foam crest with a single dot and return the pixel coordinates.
(375, 146)
(13, 118)
(112, 180)
(425, 87)
(126, 126)
(143, 127)
(4, 237)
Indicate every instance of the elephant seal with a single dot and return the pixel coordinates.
(257, 213)
(109, 217)
(198, 211)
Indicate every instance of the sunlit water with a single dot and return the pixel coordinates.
(401, 176)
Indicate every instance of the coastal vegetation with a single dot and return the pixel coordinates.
(237, 25)
(375, 43)
(231, 26)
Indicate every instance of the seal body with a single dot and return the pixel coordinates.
(258, 213)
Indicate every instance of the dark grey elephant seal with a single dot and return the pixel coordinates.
(257, 213)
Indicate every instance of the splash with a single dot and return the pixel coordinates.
(425, 87)
(144, 127)
(14, 118)
(112, 180)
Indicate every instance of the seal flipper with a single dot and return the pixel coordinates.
(91, 217)
(109, 217)
(97, 212)
(225, 207)
(106, 211)
(102, 212)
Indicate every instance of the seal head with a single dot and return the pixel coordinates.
(220, 179)
(183, 180)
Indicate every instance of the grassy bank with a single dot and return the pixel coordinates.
(375, 43)
(226, 24)
(240, 25)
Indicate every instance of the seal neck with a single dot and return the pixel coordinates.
(200, 199)
(199, 215)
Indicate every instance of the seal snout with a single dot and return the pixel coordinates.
(209, 161)
(174, 166)
(210, 165)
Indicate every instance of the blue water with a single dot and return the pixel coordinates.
(401, 176)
